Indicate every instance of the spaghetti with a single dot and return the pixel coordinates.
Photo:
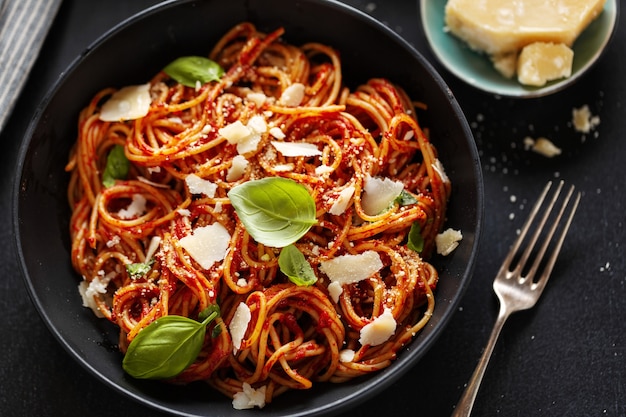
(296, 334)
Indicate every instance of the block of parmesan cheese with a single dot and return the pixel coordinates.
(541, 62)
(503, 26)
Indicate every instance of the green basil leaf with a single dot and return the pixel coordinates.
(166, 346)
(416, 241)
(275, 211)
(293, 264)
(188, 70)
(406, 199)
(139, 269)
(117, 166)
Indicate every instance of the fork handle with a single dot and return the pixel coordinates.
(466, 402)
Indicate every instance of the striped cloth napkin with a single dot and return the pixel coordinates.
(23, 28)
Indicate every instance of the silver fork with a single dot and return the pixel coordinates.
(519, 290)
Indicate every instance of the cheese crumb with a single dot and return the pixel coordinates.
(542, 146)
(583, 121)
(335, 290)
(249, 397)
(207, 244)
(448, 241)
(346, 355)
(347, 269)
(379, 330)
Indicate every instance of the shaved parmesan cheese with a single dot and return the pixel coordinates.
(97, 286)
(257, 124)
(448, 241)
(379, 194)
(346, 355)
(438, 167)
(237, 169)
(277, 133)
(341, 203)
(284, 167)
(379, 330)
(234, 132)
(128, 103)
(335, 290)
(198, 185)
(152, 248)
(347, 269)
(249, 397)
(293, 95)
(257, 98)
(323, 169)
(207, 244)
(296, 148)
(239, 325)
(136, 208)
(247, 137)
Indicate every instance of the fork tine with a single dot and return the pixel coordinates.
(531, 245)
(506, 264)
(543, 279)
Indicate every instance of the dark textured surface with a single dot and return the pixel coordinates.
(565, 357)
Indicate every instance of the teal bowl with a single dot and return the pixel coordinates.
(476, 69)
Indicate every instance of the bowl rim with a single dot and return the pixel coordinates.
(382, 379)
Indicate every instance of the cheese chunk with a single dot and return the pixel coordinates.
(502, 26)
(541, 62)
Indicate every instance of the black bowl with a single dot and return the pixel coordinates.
(131, 53)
